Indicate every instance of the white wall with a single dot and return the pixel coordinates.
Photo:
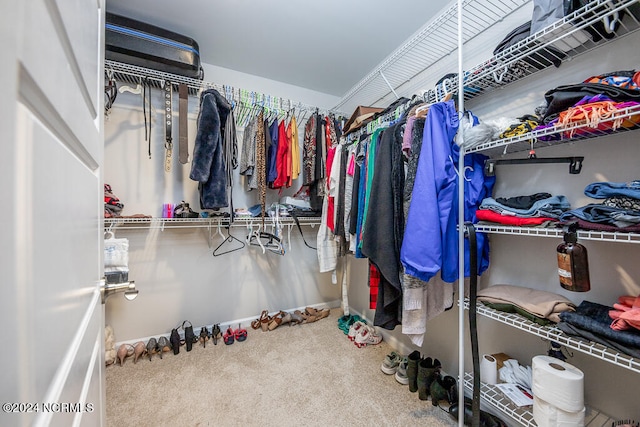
(530, 261)
(174, 270)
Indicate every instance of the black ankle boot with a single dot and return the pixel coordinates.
(175, 341)
(412, 370)
(444, 389)
(189, 336)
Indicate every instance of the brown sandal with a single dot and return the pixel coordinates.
(321, 314)
(276, 320)
(262, 321)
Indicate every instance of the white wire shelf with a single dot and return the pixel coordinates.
(435, 40)
(558, 233)
(524, 414)
(552, 333)
(626, 119)
(561, 41)
(133, 74)
(166, 223)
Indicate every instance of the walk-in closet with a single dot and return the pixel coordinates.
(337, 214)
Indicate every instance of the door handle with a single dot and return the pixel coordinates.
(108, 289)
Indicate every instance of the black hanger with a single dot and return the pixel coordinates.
(230, 239)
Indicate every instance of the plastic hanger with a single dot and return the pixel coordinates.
(230, 239)
(136, 91)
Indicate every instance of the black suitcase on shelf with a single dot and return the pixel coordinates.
(136, 43)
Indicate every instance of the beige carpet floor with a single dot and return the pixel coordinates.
(306, 375)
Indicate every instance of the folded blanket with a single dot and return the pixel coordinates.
(539, 303)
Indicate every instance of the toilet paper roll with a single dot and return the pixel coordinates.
(558, 382)
(547, 415)
(488, 369)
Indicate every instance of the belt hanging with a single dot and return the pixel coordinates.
(168, 144)
(183, 111)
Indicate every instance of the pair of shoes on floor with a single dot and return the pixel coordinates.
(366, 335)
(159, 346)
(230, 336)
(345, 322)
(355, 328)
(189, 337)
(396, 364)
(310, 314)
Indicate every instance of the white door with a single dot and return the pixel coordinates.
(51, 209)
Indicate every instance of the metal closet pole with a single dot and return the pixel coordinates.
(461, 333)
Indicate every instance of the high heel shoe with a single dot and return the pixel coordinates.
(152, 348)
(228, 336)
(175, 341)
(124, 351)
(138, 350)
(216, 334)
(189, 336)
(240, 334)
(204, 336)
(263, 321)
(276, 321)
(296, 318)
(164, 345)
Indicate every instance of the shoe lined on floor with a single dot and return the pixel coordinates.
(367, 335)
(164, 345)
(240, 334)
(401, 372)
(152, 347)
(204, 336)
(189, 336)
(413, 360)
(353, 330)
(390, 363)
(175, 340)
(216, 334)
(228, 336)
(428, 372)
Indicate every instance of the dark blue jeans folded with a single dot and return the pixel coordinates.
(595, 318)
(574, 331)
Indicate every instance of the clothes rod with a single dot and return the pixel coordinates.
(575, 163)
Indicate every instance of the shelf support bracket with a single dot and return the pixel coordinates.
(389, 84)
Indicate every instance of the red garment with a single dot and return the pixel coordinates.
(281, 157)
(289, 163)
(374, 284)
(330, 199)
(489, 215)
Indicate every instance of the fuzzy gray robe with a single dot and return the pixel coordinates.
(208, 166)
